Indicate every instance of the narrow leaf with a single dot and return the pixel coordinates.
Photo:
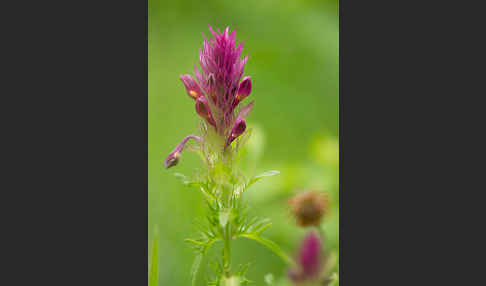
(262, 175)
(262, 228)
(195, 268)
(154, 265)
(270, 245)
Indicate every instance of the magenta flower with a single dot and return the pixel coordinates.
(219, 78)
(219, 89)
(308, 260)
(173, 157)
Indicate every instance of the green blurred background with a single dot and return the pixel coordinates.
(293, 61)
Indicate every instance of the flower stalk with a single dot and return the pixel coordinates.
(227, 250)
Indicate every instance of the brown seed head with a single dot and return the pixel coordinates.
(309, 207)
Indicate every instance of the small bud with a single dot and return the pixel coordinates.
(244, 89)
(309, 208)
(192, 88)
(309, 260)
(173, 157)
(202, 108)
(171, 160)
(238, 129)
(310, 255)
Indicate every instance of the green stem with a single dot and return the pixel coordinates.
(227, 250)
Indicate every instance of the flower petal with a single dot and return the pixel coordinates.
(202, 108)
(238, 128)
(192, 88)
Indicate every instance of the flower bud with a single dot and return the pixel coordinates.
(309, 260)
(238, 129)
(192, 88)
(173, 157)
(202, 108)
(244, 89)
(171, 160)
(310, 255)
(309, 208)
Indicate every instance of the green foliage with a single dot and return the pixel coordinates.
(154, 265)
(227, 218)
(195, 267)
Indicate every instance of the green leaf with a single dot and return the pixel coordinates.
(154, 265)
(202, 248)
(196, 184)
(261, 228)
(270, 245)
(262, 175)
(195, 268)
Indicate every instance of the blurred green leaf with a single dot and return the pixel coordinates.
(195, 267)
(154, 265)
(202, 248)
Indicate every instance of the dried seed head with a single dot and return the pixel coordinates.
(309, 207)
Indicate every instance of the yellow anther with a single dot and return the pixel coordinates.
(193, 93)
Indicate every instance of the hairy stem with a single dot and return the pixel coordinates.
(227, 250)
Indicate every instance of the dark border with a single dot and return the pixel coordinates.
(76, 129)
